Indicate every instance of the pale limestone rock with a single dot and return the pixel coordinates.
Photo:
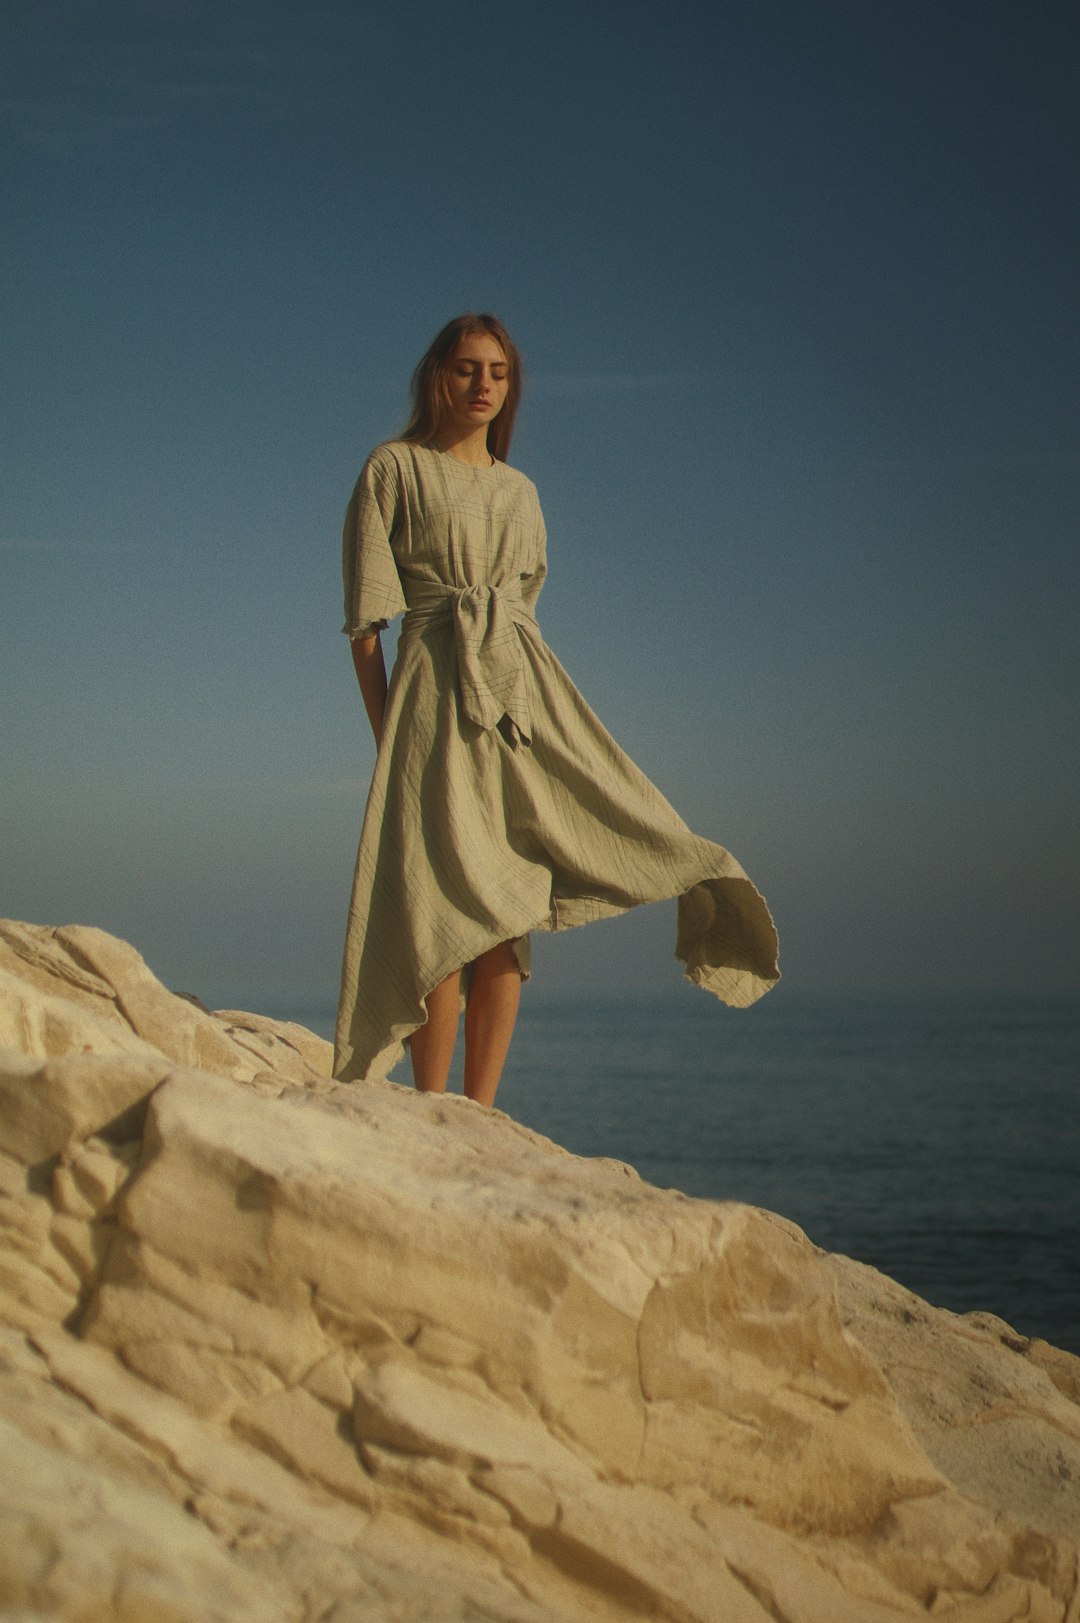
(109, 1001)
(282, 1046)
(990, 1416)
(280, 1348)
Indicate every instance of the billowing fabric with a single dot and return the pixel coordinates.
(498, 804)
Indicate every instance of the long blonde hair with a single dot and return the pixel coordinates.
(431, 400)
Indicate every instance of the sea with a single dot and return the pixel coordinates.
(935, 1137)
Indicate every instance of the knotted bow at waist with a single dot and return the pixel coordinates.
(491, 670)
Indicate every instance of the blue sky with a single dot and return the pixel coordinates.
(795, 284)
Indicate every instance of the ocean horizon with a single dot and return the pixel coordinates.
(933, 1136)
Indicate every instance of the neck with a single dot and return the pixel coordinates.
(466, 444)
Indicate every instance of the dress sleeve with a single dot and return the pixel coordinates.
(532, 582)
(373, 593)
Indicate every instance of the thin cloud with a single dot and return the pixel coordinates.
(20, 543)
(280, 786)
(608, 382)
(64, 132)
(84, 91)
(972, 457)
(324, 788)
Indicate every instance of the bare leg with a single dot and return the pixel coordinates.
(431, 1046)
(489, 1020)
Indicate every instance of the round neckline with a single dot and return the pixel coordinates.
(459, 462)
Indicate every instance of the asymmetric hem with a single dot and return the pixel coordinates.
(499, 804)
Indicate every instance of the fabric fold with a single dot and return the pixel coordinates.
(491, 670)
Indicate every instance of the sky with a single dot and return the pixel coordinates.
(795, 282)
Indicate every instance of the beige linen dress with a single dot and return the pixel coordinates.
(498, 804)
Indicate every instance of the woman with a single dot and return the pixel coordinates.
(498, 803)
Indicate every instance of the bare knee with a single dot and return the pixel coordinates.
(500, 960)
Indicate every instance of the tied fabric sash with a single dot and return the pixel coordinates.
(491, 671)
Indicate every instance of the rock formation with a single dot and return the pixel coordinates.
(277, 1348)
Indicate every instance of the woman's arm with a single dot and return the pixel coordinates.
(371, 674)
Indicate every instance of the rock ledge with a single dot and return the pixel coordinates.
(277, 1348)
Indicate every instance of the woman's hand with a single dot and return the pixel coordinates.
(371, 674)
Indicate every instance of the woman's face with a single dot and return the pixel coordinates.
(477, 381)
